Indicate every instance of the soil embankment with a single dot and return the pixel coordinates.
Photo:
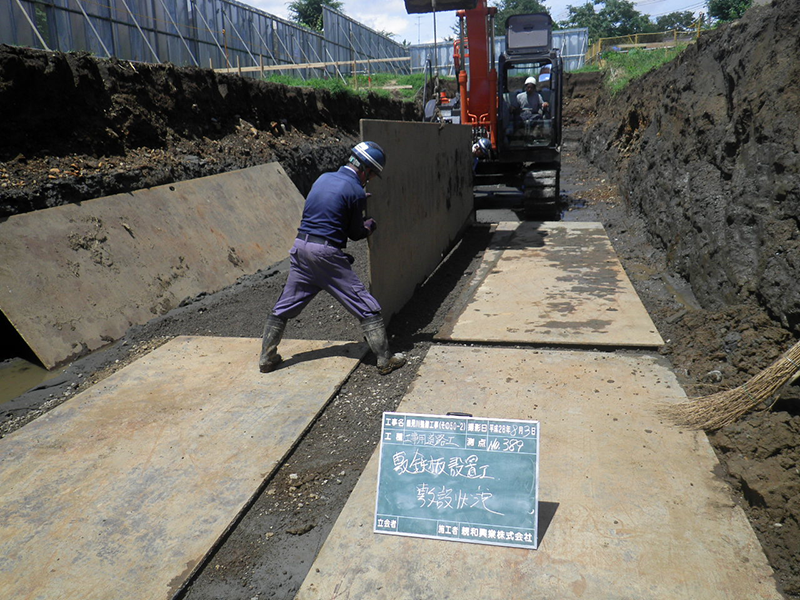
(705, 151)
(78, 128)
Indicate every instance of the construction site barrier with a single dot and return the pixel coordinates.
(644, 41)
(201, 33)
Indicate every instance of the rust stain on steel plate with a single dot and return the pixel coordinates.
(552, 283)
(122, 490)
(76, 277)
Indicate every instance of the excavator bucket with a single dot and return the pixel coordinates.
(427, 6)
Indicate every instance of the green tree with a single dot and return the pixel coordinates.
(616, 17)
(506, 8)
(727, 10)
(309, 12)
(675, 20)
(582, 16)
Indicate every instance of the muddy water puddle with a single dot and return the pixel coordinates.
(18, 375)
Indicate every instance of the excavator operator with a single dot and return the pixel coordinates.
(530, 101)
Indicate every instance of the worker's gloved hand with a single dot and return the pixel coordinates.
(350, 258)
(371, 225)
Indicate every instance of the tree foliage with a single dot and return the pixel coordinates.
(728, 10)
(616, 17)
(675, 20)
(309, 12)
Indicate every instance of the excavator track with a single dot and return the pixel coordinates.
(541, 194)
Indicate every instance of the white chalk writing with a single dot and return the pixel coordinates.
(441, 498)
(457, 466)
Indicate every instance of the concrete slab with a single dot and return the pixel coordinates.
(123, 490)
(422, 203)
(630, 507)
(551, 283)
(76, 277)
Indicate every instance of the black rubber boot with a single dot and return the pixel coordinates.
(273, 332)
(375, 333)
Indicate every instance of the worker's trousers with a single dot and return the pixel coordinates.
(316, 267)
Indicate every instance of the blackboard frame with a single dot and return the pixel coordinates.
(459, 478)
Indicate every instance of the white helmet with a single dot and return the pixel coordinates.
(530, 80)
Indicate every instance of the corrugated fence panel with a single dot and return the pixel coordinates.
(226, 33)
(573, 44)
(208, 33)
(350, 41)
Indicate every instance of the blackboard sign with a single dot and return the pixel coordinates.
(459, 478)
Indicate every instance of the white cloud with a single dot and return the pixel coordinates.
(274, 7)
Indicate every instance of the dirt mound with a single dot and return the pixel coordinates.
(705, 151)
(84, 128)
(580, 97)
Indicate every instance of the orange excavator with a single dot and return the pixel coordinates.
(514, 100)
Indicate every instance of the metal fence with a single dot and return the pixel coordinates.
(206, 33)
(573, 44)
(353, 41)
(642, 41)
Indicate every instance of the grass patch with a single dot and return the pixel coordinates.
(624, 67)
(333, 85)
(593, 68)
(384, 84)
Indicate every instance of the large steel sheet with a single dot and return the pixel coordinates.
(124, 489)
(76, 277)
(630, 506)
(422, 203)
(551, 283)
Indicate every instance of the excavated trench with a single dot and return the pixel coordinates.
(693, 172)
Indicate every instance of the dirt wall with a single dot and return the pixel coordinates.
(76, 127)
(707, 148)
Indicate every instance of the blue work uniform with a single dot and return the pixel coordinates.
(333, 213)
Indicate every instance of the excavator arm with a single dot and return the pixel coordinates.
(428, 6)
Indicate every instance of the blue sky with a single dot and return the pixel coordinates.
(390, 15)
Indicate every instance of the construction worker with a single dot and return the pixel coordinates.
(480, 149)
(530, 101)
(333, 212)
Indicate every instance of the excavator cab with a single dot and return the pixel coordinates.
(529, 123)
(527, 119)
